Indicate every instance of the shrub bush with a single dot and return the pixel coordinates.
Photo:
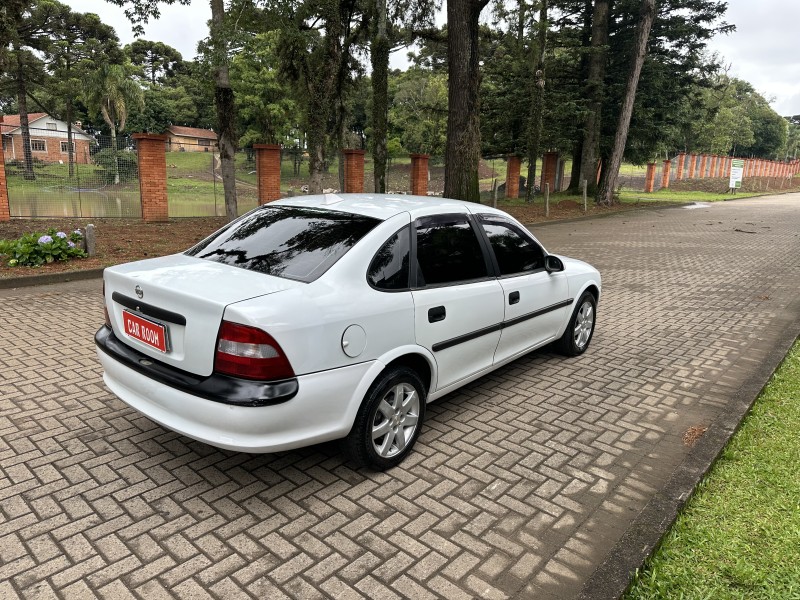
(128, 165)
(37, 249)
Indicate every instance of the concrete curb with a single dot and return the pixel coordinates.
(607, 215)
(49, 278)
(612, 578)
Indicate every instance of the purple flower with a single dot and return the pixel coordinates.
(78, 232)
(61, 234)
(45, 239)
(71, 244)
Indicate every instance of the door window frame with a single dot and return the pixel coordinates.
(514, 227)
(488, 259)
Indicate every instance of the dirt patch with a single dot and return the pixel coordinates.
(118, 240)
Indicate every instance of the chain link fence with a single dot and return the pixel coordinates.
(85, 178)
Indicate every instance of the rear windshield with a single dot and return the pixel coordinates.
(286, 241)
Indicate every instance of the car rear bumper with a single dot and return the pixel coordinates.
(321, 408)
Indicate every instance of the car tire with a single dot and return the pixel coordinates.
(580, 328)
(389, 421)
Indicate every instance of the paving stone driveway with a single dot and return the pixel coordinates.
(521, 482)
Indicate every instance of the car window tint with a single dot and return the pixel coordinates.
(448, 250)
(389, 268)
(515, 251)
(286, 241)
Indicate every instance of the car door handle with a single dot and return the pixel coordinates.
(437, 313)
(513, 297)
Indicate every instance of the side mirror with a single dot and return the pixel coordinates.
(553, 264)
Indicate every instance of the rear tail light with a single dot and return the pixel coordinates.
(105, 308)
(250, 353)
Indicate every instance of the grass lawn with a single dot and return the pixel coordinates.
(670, 195)
(739, 536)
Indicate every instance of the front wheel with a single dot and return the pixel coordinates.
(389, 421)
(580, 328)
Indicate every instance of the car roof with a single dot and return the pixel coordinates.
(385, 206)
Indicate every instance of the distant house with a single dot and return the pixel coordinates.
(190, 139)
(48, 139)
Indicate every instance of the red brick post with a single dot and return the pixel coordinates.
(549, 170)
(419, 174)
(353, 171)
(692, 163)
(650, 178)
(5, 209)
(512, 176)
(681, 161)
(703, 166)
(721, 166)
(665, 174)
(268, 172)
(728, 167)
(712, 170)
(152, 176)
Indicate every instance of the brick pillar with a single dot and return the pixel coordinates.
(512, 176)
(721, 166)
(728, 167)
(712, 170)
(419, 174)
(681, 160)
(692, 163)
(5, 209)
(703, 166)
(268, 172)
(152, 176)
(665, 174)
(650, 178)
(549, 170)
(353, 171)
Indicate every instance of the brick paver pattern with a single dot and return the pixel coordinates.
(520, 483)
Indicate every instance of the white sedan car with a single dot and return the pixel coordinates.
(336, 316)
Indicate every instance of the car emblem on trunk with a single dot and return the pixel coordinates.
(139, 291)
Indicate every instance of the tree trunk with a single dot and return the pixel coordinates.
(226, 108)
(594, 93)
(537, 99)
(70, 149)
(608, 179)
(463, 147)
(24, 124)
(114, 151)
(380, 97)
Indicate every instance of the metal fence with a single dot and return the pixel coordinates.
(194, 179)
(92, 179)
(88, 178)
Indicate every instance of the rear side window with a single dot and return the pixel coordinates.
(286, 241)
(389, 268)
(448, 251)
(515, 251)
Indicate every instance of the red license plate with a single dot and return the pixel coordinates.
(147, 332)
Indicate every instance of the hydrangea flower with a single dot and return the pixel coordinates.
(61, 234)
(78, 232)
(45, 239)
(71, 244)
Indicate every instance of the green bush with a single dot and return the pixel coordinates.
(127, 162)
(37, 249)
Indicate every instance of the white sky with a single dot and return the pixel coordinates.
(762, 51)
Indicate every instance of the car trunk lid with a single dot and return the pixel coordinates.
(170, 308)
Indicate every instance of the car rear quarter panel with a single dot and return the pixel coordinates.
(309, 321)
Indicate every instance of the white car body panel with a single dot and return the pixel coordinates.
(311, 322)
(469, 307)
(537, 291)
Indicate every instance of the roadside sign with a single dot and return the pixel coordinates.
(737, 171)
